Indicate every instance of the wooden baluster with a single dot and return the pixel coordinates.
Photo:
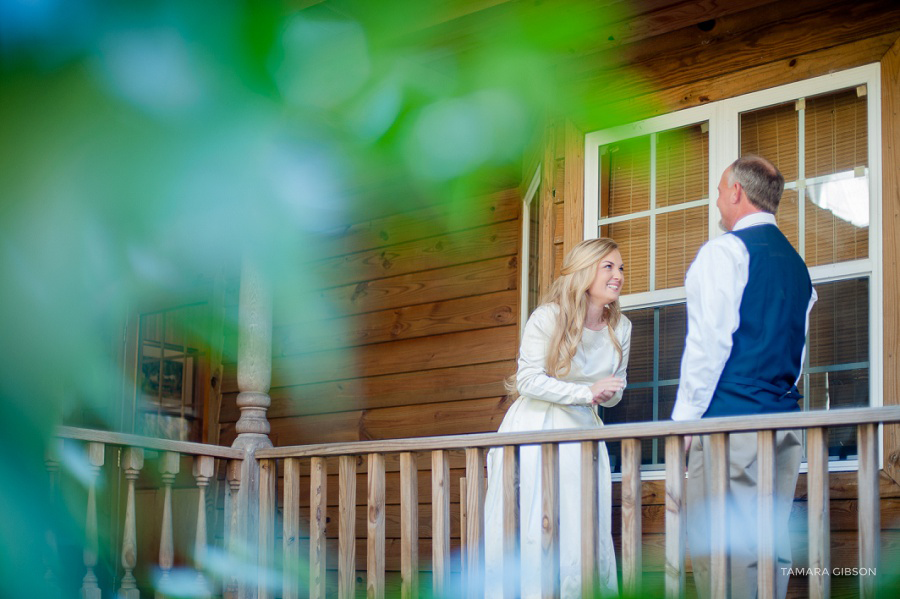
(169, 466)
(463, 531)
(375, 542)
(268, 505)
(818, 506)
(409, 526)
(869, 508)
(232, 523)
(291, 529)
(631, 516)
(676, 529)
(89, 588)
(51, 550)
(589, 516)
(347, 530)
(511, 521)
(549, 520)
(132, 462)
(765, 508)
(440, 521)
(718, 509)
(318, 504)
(203, 470)
(475, 521)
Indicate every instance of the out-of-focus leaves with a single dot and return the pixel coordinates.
(147, 144)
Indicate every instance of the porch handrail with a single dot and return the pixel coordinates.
(612, 432)
(155, 444)
(816, 424)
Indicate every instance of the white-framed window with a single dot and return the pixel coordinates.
(528, 286)
(652, 185)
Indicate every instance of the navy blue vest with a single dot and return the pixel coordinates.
(767, 347)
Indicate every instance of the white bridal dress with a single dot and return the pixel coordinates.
(547, 403)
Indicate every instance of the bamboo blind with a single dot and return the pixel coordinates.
(834, 140)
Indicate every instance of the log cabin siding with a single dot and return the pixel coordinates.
(427, 325)
(426, 331)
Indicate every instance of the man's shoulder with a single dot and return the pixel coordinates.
(727, 245)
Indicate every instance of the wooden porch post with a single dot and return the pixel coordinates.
(254, 375)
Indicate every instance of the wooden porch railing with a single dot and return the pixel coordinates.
(132, 462)
(312, 459)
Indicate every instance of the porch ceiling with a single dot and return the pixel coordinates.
(619, 50)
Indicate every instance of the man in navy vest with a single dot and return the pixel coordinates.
(748, 301)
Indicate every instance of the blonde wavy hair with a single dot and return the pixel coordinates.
(569, 292)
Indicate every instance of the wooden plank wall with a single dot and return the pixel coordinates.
(562, 197)
(738, 49)
(890, 202)
(424, 330)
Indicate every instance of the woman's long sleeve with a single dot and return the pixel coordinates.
(531, 378)
(624, 335)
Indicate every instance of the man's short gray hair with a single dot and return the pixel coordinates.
(761, 180)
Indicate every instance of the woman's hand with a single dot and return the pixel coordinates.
(604, 389)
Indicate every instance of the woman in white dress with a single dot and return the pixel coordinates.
(572, 358)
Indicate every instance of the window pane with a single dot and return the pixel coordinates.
(169, 400)
(682, 165)
(640, 360)
(667, 394)
(636, 406)
(657, 342)
(788, 217)
(672, 332)
(837, 221)
(836, 133)
(838, 371)
(839, 324)
(772, 133)
(629, 177)
(633, 237)
(679, 236)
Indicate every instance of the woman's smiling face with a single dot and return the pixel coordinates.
(609, 279)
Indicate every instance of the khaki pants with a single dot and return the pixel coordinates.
(742, 500)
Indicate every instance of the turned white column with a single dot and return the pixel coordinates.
(89, 588)
(204, 468)
(132, 462)
(254, 375)
(169, 465)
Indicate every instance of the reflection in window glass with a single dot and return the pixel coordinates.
(837, 221)
(825, 159)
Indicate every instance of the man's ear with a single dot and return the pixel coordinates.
(738, 190)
